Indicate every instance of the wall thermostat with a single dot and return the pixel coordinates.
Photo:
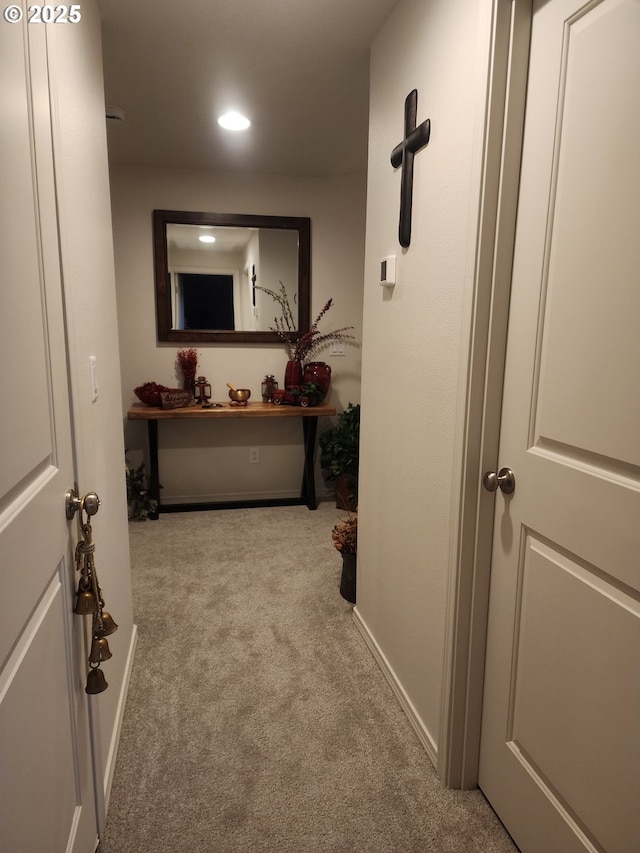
(388, 270)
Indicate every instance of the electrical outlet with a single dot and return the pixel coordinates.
(254, 454)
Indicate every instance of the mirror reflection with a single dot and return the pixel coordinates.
(214, 272)
(211, 268)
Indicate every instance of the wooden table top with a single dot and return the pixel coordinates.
(252, 410)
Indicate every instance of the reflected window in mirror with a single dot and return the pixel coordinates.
(203, 301)
(210, 270)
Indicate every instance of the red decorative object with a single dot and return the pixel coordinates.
(188, 362)
(293, 374)
(296, 397)
(319, 373)
(150, 392)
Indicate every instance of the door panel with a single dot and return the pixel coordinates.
(560, 749)
(46, 788)
(571, 625)
(592, 255)
(35, 709)
(22, 296)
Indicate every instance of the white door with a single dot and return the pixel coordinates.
(46, 793)
(560, 748)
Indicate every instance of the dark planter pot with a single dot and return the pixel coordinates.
(346, 492)
(348, 579)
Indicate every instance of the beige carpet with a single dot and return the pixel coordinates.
(257, 719)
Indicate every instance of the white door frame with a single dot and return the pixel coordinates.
(481, 396)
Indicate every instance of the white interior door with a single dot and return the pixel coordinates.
(560, 747)
(46, 791)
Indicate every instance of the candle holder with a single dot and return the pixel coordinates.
(202, 391)
(269, 385)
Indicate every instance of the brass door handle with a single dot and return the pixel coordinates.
(505, 480)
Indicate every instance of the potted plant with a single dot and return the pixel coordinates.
(141, 505)
(340, 454)
(345, 540)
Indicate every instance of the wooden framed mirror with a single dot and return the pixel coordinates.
(209, 268)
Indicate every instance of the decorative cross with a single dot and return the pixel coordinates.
(415, 138)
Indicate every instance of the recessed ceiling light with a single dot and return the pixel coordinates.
(234, 121)
(206, 238)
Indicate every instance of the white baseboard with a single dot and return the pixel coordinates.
(110, 764)
(417, 724)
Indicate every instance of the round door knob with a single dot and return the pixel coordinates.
(91, 503)
(505, 480)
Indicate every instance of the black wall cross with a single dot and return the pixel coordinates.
(415, 138)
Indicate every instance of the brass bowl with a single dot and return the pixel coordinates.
(240, 395)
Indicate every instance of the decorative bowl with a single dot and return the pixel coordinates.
(149, 393)
(239, 395)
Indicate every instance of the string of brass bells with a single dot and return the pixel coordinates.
(89, 602)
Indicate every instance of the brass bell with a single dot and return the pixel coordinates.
(99, 650)
(86, 603)
(96, 682)
(108, 625)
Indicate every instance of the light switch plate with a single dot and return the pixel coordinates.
(93, 378)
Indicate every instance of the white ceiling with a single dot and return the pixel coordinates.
(298, 68)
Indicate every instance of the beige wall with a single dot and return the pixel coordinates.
(220, 468)
(414, 339)
(82, 184)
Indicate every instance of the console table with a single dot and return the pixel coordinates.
(308, 416)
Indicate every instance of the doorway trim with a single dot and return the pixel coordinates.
(480, 399)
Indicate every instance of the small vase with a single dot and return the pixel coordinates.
(348, 578)
(320, 373)
(293, 374)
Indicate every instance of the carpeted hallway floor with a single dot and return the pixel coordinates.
(257, 719)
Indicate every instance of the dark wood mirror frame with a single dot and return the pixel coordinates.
(161, 218)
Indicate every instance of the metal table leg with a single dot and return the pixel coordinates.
(308, 493)
(154, 474)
